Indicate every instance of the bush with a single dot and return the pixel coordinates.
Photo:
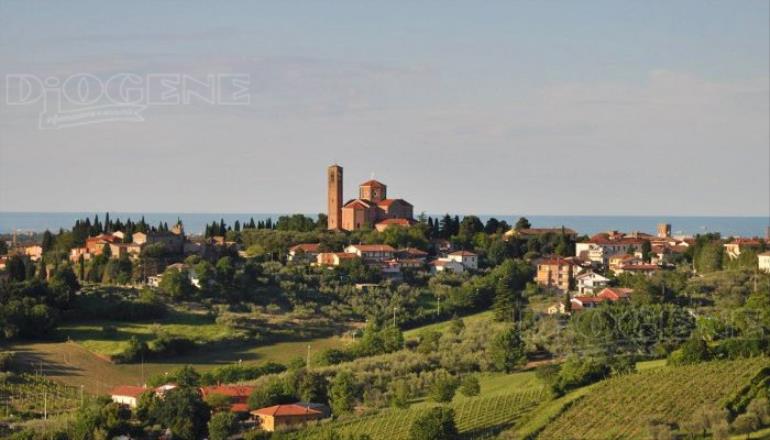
(578, 372)
(443, 388)
(470, 386)
(436, 424)
(221, 426)
(694, 350)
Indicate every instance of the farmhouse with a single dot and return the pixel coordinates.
(128, 395)
(280, 417)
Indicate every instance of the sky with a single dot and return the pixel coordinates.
(500, 107)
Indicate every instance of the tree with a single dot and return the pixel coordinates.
(401, 394)
(221, 426)
(436, 424)
(312, 387)
(443, 388)
(470, 386)
(746, 424)
(183, 412)
(274, 392)
(522, 223)
(507, 350)
(511, 278)
(342, 393)
(176, 283)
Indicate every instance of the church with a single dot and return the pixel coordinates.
(372, 208)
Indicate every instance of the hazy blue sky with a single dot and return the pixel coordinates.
(540, 107)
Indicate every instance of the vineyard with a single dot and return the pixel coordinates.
(479, 417)
(34, 397)
(621, 407)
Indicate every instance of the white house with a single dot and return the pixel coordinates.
(372, 252)
(589, 282)
(469, 260)
(446, 265)
(764, 262)
(127, 395)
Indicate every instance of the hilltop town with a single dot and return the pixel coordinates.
(300, 325)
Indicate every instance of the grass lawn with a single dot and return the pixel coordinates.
(194, 326)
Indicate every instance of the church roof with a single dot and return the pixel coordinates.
(388, 202)
(357, 203)
(373, 182)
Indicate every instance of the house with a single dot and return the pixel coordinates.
(579, 303)
(95, 245)
(734, 248)
(372, 252)
(128, 395)
(334, 258)
(589, 282)
(304, 252)
(446, 265)
(602, 246)
(637, 268)
(279, 417)
(764, 262)
(411, 254)
(118, 250)
(526, 233)
(556, 272)
(173, 242)
(469, 260)
(238, 395)
(77, 252)
(616, 261)
(33, 251)
(615, 293)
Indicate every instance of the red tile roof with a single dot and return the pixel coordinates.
(463, 254)
(227, 390)
(305, 247)
(373, 183)
(128, 390)
(373, 247)
(388, 202)
(615, 293)
(357, 204)
(293, 409)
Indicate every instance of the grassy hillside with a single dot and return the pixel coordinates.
(621, 407)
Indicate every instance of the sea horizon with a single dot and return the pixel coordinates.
(194, 222)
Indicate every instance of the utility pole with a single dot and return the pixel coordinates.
(307, 365)
(438, 306)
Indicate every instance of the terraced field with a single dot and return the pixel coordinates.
(621, 407)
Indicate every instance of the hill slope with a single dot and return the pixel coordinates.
(621, 407)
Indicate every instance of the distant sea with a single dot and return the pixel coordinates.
(589, 224)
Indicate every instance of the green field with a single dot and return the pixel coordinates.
(194, 326)
(621, 407)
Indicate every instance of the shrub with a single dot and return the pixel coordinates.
(436, 424)
(443, 388)
(470, 386)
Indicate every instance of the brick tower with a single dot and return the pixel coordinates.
(335, 197)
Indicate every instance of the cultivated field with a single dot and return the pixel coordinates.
(621, 407)
(477, 417)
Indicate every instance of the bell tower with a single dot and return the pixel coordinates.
(334, 180)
